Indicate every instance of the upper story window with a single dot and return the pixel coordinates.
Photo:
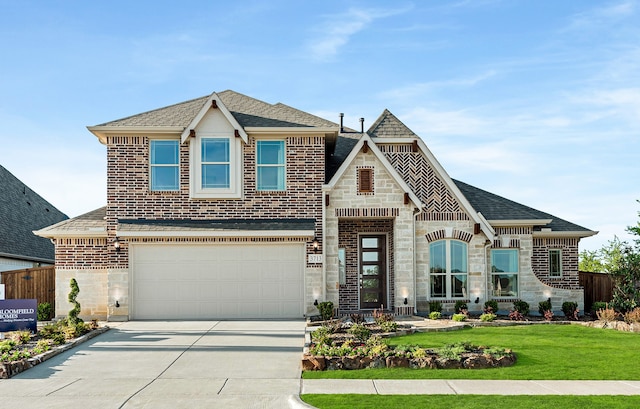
(270, 165)
(555, 263)
(504, 272)
(164, 165)
(216, 166)
(448, 269)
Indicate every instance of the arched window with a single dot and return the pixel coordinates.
(448, 269)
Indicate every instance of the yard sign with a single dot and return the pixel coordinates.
(19, 315)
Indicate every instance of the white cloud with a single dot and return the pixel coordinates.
(417, 90)
(340, 28)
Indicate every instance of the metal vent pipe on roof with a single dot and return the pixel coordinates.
(341, 121)
(361, 125)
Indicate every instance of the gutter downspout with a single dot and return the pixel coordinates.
(324, 246)
(416, 212)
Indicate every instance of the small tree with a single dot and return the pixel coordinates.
(326, 310)
(72, 318)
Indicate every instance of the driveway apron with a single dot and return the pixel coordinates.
(170, 364)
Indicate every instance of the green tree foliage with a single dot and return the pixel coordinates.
(75, 311)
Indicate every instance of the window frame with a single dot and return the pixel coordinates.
(153, 166)
(449, 275)
(558, 273)
(516, 274)
(365, 188)
(234, 191)
(282, 165)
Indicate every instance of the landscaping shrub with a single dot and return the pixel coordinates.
(326, 310)
(380, 316)
(570, 310)
(357, 318)
(361, 332)
(435, 306)
(45, 311)
(460, 307)
(516, 315)
(75, 311)
(388, 326)
(633, 316)
(321, 335)
(521, 306)
(607, 314)
(488, 317)
(19, 337)
(597, 306)
(459, 317)
(435, 315)
(544, 306)
(490, 307)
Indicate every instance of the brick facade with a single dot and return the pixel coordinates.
(540, 262)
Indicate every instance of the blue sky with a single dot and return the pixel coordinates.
(537, 101)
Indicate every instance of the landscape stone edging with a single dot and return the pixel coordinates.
(9, 369)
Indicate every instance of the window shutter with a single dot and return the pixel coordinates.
(365, 180)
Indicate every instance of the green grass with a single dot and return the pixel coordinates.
(544, 352)
(470, 401)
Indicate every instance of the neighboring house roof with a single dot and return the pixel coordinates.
(249, 112)
(21, 211)
(91, 224)
(343, 148)
(496, 208)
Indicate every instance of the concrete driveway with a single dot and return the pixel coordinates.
(172, 364)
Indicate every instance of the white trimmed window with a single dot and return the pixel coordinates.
(216, 166)
(164, 165)
(448, 269)
(270, 165)
(555, 263)
(504, 272)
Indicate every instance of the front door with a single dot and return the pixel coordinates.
(373, 271)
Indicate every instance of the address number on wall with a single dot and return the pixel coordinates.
(314, 258)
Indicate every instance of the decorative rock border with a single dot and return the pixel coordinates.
(9, 369)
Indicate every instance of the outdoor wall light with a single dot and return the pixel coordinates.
(315, 302)
(315, 244)
(116, 244)
(406, 301)
(477, 300)
(117, 304)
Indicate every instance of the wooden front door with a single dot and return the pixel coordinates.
(373, 271)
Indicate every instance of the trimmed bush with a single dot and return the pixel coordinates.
(459, 306)
(45, 311)
(435, 306)
(488, 317)
(435, 315)
(544, 306)
(490, 307)
(521, 306)
(459, 317)
(570, 310)
(326, 310)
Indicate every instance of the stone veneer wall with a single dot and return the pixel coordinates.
(386, 202)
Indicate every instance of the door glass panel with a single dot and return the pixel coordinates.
(370, 243)
(370, 297)
(370, 270)
(369, 256)
(370, 283)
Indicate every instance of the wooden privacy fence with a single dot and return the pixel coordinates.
(597, 287)
(38, 283)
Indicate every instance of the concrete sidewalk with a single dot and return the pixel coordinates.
(470, 387)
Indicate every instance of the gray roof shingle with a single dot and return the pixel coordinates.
(494, 207)
(249, 112)
(21, 211)
(389, 126)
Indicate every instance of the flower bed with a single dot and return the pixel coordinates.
(352, 345)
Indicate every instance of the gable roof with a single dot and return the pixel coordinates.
(496, 208)
(389, 126)
(248, 112)
(21, 211)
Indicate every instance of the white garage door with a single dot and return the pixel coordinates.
(211, 281)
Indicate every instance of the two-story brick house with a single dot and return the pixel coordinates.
(229, 207)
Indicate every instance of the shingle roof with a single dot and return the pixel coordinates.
(494, 207)
(227, 224)
(90, 223)
(249, 112)
(343, 148)
(21, 211)
(389, 126)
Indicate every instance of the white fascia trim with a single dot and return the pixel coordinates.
(66, 234)
(376, 151)
(484, 226)
(485, 222)
(206, 107)
(218, 233)
(101, 132)
(560, 234)
(290, 130)
(520, 222)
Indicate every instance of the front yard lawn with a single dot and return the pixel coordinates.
(544, 352)
(471, 401)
